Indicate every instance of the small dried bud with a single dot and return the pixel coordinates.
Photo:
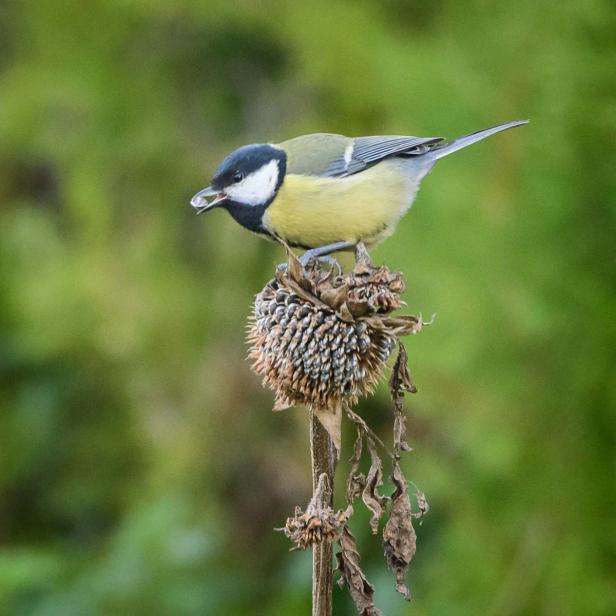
(318, 523)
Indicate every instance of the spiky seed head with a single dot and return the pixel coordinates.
(319, 339)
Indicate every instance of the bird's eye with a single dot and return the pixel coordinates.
(238, 176)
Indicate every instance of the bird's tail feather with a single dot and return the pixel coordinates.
(462, 142)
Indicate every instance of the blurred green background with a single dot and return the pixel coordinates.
(141, 469)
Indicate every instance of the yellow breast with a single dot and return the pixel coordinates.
(313, 211)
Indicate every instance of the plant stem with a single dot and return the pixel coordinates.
(324, 456)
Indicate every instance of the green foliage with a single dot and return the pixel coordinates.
(141, 471)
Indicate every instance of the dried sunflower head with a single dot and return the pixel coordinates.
(321, 339)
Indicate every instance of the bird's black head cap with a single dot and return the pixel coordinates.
(248, 161)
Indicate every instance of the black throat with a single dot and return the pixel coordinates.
(249, 216)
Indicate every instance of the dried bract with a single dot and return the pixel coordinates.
(318, 523)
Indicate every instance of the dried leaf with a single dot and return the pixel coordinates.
(334, 296)
(362, 426)
(353, 577)
(370, 495)
(402, 325)
(400, 383)
(363, 262)
(345, 314)
(422, 503)
(331, 420)
(356, 481)
(296, 272)
(399, 537)
(400, 433)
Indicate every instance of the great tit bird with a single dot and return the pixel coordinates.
(326, 192)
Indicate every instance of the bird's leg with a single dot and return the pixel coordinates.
(323, 252)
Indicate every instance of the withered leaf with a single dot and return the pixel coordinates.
(399, 538)
(345, 313)
(334, 296)
(396, 325)
(400, 383)
(295, 271)
(331, 420)
(363, 264)
(353, 577)
(356, 481)
(370, 495)
(362, 426)
(422, 503)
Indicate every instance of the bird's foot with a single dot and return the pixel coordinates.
(321, 254)
(281, 268)
(327, 260)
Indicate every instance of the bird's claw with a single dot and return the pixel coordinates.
(305, 260)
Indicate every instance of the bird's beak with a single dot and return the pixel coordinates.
(200, 202)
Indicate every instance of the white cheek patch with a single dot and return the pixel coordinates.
(258, 187)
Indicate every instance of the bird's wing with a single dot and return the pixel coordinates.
(329, 155)
(314, 154)
(370, 150)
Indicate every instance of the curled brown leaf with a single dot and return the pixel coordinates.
(353, 577)
(422, 503)
(370, 495)
(400, 383)
(399, 538)
(356, 481)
